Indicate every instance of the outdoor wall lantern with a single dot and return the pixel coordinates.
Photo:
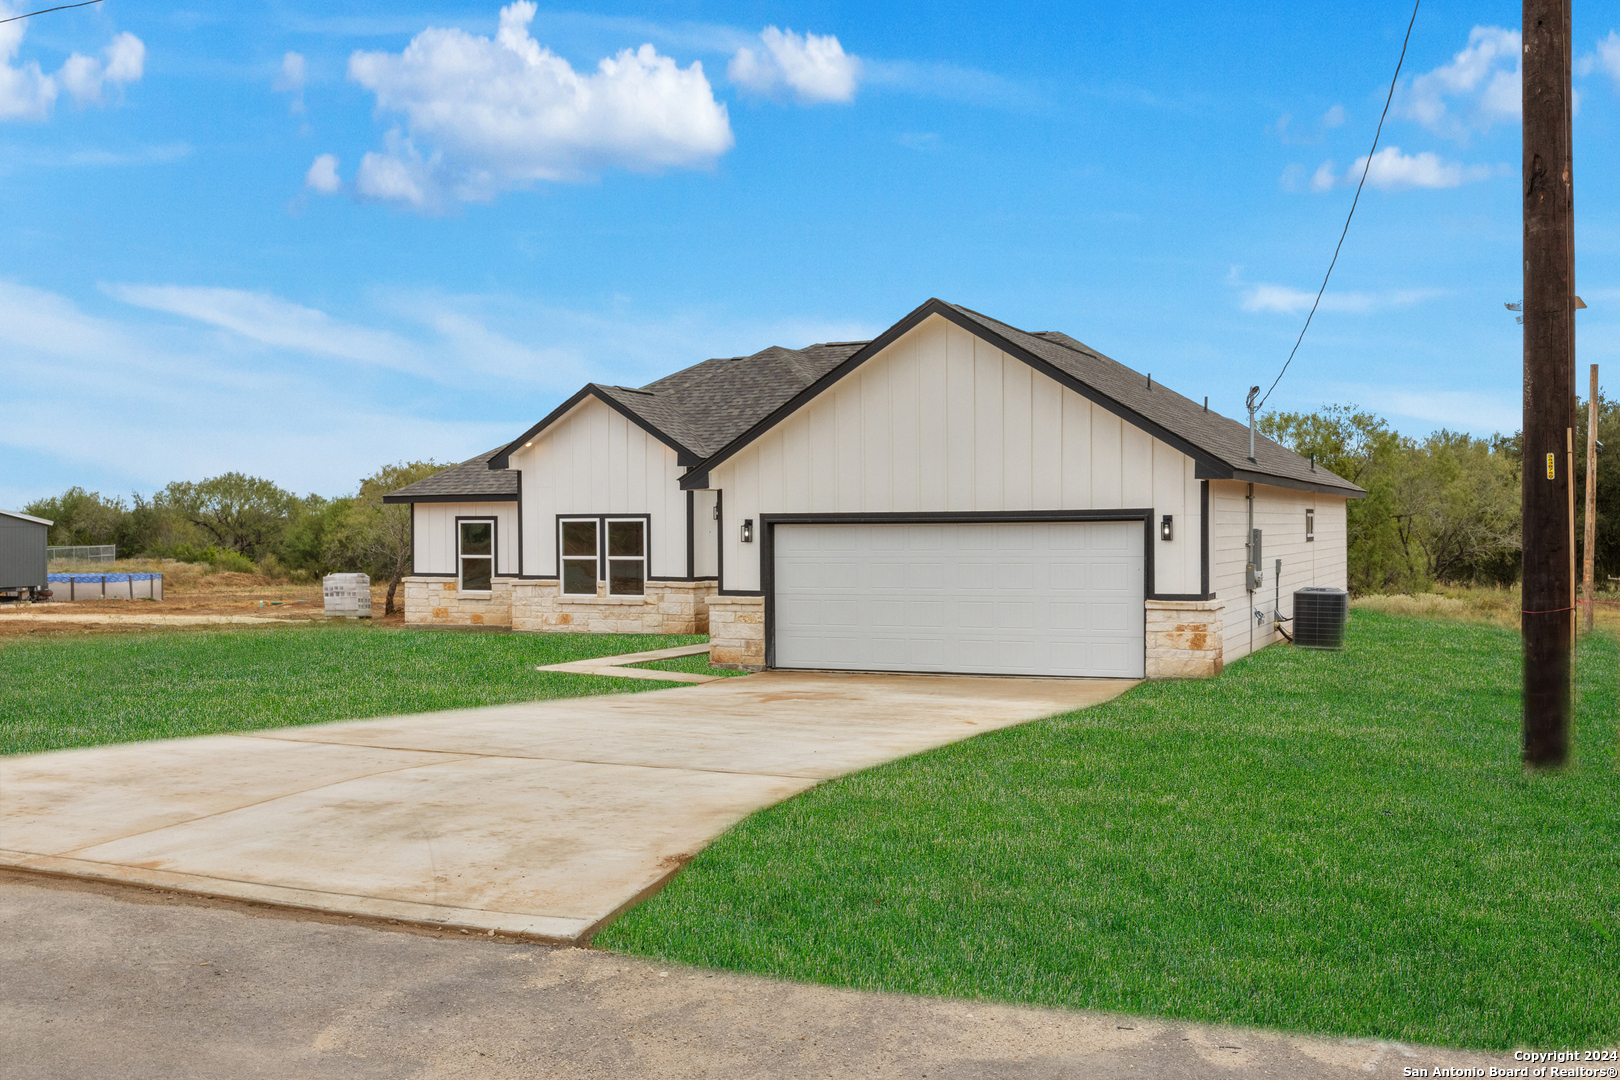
(1166, 530)
(748, 530)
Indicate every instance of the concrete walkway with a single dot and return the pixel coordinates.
(114, 981)
(543, 819)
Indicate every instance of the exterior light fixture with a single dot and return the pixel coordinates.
(1167, 528)
(748, 531)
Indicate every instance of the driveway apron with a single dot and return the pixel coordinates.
(544, 819)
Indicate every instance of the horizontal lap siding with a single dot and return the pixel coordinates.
(942, 421)
(435, 542)
(595, 461)
(1279, 514)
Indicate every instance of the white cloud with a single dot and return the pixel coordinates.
(1458, 410)
(1285, 300)
(1605, 57)
(314, 399)
(27, 93)
(294, 73)
(1333, 118)
(84, 76)
(502, 114)
(323, 175)
(1481, 82)
(1322, 178)
(813, 67)
(1392, 170)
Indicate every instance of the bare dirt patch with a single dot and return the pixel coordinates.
(193, 598)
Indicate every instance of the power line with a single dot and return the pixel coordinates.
(48, 10)
(1364, 169)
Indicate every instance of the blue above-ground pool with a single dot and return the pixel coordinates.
(105, 586)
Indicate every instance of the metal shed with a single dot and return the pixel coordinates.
(22, 554)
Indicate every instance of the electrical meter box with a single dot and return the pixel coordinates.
(1255, 571)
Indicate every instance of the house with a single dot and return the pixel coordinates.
(956, 495)
(23, 555)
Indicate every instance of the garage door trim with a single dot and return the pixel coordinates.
(768, 523)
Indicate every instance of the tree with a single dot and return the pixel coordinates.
(238, 512)
(79, 517)
(1459, 508)
(374, 536)
(305, 544)
(1606, 542)
(1359, 447)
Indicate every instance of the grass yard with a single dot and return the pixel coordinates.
(119, 688)
(1339, 843)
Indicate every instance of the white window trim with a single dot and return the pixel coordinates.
(596, 559)
(642, 558)
(461, 565)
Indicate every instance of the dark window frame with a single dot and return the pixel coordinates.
(494, 550)
(602, 567)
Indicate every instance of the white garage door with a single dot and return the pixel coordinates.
(1047, 598)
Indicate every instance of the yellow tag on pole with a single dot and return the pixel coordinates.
(1550, 459)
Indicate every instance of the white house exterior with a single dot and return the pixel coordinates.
(956, 495)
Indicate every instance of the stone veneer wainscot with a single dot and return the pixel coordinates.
(669, 607)
(433, 601)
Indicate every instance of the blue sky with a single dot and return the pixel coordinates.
(303, 241)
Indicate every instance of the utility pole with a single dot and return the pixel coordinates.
(1549, 383)
(1591, 495)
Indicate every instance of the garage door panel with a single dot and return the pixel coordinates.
(1055, 598)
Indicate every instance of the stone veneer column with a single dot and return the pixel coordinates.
(737, 632)
(1184, 639)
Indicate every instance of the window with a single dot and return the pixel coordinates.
(579, 554)
(477, 555)
(1310, 524)
(627, 557)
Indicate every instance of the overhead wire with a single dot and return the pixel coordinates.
(47, 11)
(1346, 231)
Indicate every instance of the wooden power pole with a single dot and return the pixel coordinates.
(1549, 383)
(1588, 563)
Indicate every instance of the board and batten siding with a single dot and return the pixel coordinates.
(434, 551)
(942, 421)
(1279, 514)
(593, 461)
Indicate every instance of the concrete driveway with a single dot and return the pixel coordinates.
(543, 819)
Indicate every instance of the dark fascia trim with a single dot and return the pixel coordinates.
(1203, 535)
(698, 477)
(691, 531)
(451, 498)
(683, 456)
(739, 592)
(1248, 476)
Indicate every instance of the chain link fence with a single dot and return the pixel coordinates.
(71, 558)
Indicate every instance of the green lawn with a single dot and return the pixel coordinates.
(123, 687)
(1331, 842)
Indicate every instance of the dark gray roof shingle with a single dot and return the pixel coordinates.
(705, 409)
(473, 481)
